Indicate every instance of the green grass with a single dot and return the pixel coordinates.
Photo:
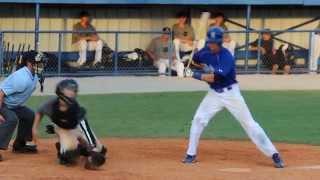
(287, 116)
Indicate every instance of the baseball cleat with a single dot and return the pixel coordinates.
(277, 161)
(27, 149)
(189, 159)
(1, 158)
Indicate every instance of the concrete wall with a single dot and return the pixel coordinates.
(153, 18)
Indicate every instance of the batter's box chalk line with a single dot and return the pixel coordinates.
(248, 170)
(236, 170)
(307, 167)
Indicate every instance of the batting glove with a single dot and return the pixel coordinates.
(188, 72)
(208, 69)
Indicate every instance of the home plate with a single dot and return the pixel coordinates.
(236, 170)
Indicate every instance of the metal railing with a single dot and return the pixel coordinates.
(116, 67)
(244, 56)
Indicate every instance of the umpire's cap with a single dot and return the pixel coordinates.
(29, 56)
(215, 35)
(32, 57)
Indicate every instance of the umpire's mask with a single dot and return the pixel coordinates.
(38, 61)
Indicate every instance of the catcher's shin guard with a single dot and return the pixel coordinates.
(69, 157)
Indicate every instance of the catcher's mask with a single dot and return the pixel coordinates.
(67, 84)
(38, 61)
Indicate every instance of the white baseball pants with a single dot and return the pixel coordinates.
(235, 104)
(179, 46)
(70, 139)
(163, 64)
(84, 46)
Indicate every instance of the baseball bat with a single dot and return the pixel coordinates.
(201, 34)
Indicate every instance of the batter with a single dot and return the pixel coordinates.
(219, 73)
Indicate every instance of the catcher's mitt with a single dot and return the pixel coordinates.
(95, 160)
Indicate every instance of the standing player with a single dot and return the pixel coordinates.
(71, 126)
(15, 90)
(224, 93)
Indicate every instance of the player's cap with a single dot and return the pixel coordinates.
(166, 30)
(215, 35)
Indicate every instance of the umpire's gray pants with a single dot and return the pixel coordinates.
(23, 116)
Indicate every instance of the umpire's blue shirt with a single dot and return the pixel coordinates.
(224, 66)
(18, 87)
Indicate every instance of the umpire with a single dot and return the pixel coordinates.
(15, 90)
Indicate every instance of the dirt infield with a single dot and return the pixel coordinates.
(149, 159)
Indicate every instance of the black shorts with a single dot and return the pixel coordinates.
(270, 60)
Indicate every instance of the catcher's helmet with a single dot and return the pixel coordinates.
(215, 35)
(69, 84)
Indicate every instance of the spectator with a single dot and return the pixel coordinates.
(267, 50)
(272, 58)
(158, 50)
(219, 20)
(87, 40)
(183, 36)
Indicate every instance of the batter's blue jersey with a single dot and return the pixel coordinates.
(222, 62)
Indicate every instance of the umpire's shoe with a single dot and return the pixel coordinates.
(277, 161)
(25, 149)
(189, 159)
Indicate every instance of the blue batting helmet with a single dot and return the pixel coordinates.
(215, 35)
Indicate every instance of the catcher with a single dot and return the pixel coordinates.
(71, 126)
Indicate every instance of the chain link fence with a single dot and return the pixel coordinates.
(124, 53)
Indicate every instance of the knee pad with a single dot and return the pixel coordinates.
(69, 157)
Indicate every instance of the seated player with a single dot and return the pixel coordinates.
(87, 40)
(158, 50)
(269, 55)
(184, 37)
(71, 126)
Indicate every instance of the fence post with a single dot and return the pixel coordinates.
(259, 53)
(36, 27)
(170, 46)
(116, 53)
(59, 53)
(1, 53)
(310, 65)
(248, 19)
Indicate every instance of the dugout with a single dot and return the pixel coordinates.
(144, 16)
